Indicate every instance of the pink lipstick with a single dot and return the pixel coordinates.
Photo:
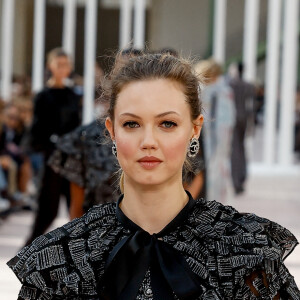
(149, 162)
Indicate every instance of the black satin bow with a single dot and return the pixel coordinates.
(131, 258)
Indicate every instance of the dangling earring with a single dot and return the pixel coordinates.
(114, 149)
(193, 148)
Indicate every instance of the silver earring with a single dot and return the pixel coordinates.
(114, 149)
(193, 148)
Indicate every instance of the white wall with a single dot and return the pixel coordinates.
(20, 37)
(180, 24)
(184, 25)
(0, 33)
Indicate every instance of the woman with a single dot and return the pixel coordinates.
(157, 242)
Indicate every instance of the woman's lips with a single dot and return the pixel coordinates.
(149, 162)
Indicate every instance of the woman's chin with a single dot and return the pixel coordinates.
(148, 182)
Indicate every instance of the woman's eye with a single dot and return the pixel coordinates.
(168, 124)
(131, 124)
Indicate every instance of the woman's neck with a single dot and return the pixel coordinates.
(152, 208)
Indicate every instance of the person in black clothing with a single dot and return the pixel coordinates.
(56, 112)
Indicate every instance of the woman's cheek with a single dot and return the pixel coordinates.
(126, 147)
(176, 149)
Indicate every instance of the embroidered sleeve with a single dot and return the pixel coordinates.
(29, 292)
(60, 264)
(51, 268)
(270, 279)
(269, 284)
(242, 255)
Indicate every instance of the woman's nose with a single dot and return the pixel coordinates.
(149, 140)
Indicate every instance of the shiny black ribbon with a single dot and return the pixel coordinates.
(130, 259)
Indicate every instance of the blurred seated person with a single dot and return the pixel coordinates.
(25, 107)
(4, 203)
(15, 164)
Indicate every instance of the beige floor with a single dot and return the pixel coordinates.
(277, 198)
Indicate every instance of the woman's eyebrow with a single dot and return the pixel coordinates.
(158, 116)
(166, 113)
(130, 115)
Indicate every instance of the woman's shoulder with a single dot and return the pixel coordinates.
(242, 248)
(226, 224)
(59, 262)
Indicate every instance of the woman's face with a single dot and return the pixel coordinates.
(152, 128)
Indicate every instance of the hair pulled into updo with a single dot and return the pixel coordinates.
(153, 66)
(139, 67)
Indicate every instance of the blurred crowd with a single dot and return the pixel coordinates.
(15, 164)
(21, 163)
(36, 129)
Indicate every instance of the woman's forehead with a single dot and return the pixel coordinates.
(152, 96)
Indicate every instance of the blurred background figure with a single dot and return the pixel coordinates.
(85, 158)
(244, 95)
(56, 112)
(11, 156)
(259, 103)
(219, 112)
(4, 203)
(297, 123)
(14, 161)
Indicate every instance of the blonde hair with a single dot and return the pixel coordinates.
(56, 52)
(121, 182)
(208, 70)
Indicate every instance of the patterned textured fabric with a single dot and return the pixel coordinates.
(235, 256)
(83, 158)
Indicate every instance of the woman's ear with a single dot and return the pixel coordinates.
(109, 127)
(197, 126)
